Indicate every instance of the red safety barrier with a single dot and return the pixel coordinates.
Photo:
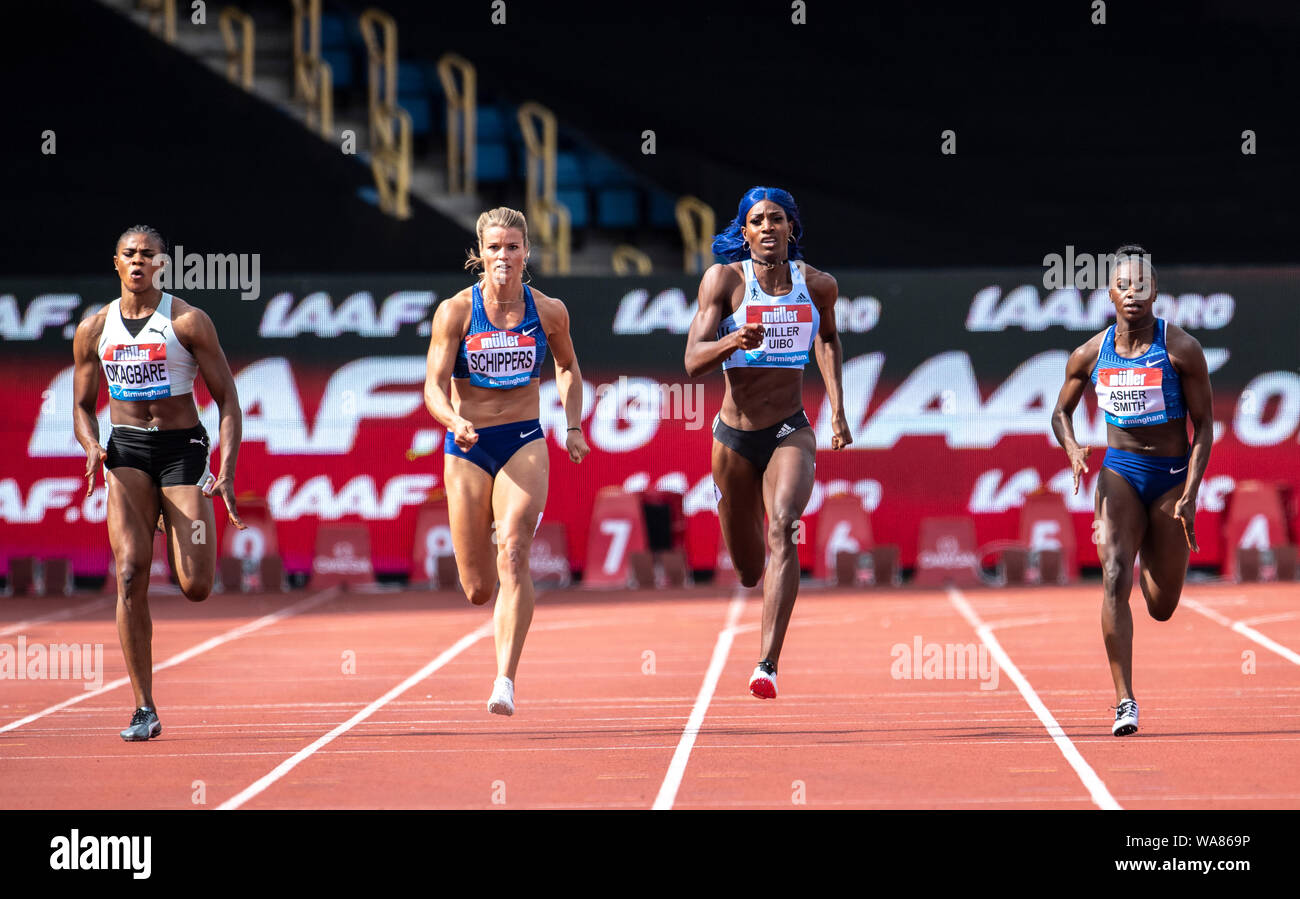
(548, 561)
(1047, 526)
(946, 553)
(432, 540)
(843, 526)
(1254, 520)
(259, 542)
(342, 556)
(617, 529)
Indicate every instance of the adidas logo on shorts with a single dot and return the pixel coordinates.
(785, 431)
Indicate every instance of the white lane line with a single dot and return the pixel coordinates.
(1244, 629)
(306, 752)
(1271, 619)
(55, 616)
(302, 605)
(1096, 788)
(677, 767)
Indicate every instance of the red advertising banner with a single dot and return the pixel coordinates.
(949, 383)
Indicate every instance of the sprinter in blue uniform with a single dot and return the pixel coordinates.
(149, 346)
(762, 315)
(1151, 379)
(486, 353)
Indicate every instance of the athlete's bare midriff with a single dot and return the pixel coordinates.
(1168, 438)
(759, 398)
(487, 406)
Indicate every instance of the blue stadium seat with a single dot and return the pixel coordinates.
(663, 210)
(333, 32)
(491, 125)
(616, 207)
(410, 78)
(340, 63)
(420, 111)
(493, 162)
(604, 171)
(576, 200)
(568, 171)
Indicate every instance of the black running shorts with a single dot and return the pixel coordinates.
(171, 458)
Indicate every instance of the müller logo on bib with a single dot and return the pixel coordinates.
(1131, 392)
(500, 358)
(788, 331)
(137, 371)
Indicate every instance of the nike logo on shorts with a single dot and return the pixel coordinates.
(1173, 471)
(533, 431)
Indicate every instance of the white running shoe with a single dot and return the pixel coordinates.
(503, 697)
(1126, 718)
(762, 684)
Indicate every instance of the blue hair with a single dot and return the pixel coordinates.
(730, 244)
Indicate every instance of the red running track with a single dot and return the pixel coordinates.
(303, 710)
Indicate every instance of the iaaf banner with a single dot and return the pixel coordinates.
(949, 381)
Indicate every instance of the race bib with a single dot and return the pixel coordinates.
(788, 333)
(1131, 396)
(500, 358)
(137, 371)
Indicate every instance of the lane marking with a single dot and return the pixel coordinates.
(1096, 788)
(1244, 629)
(55, 616)
(306, 752)
(302, 605)
(721, 649)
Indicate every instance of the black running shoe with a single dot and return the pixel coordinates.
(1126, 718)
(144, 726)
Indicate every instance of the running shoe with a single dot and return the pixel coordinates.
(503, 697)
(762, 683)
(1126, 718)
(144, 726)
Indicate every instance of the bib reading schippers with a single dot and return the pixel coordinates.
(789, 323)
(498, 358)
(150, 365)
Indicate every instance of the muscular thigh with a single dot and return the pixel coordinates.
(191, 531)
(133, 505)
(520, 490)
(1121, 517)
(788, 480)
(740, 507)
(469, 512)
(1164, 550)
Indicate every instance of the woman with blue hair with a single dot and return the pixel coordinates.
(762, 314)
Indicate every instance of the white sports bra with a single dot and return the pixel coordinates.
(149, 366)
(790, 322)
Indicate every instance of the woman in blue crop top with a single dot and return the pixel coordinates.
(485, 358)
(761, 316)
(1151, 378)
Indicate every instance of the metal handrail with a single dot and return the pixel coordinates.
(462, 122)
(313, 81)
(541, 147)
(390, 148)
(551, 224)
(162, 17)
(627, 257)
(697, 223)
(239, 47)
